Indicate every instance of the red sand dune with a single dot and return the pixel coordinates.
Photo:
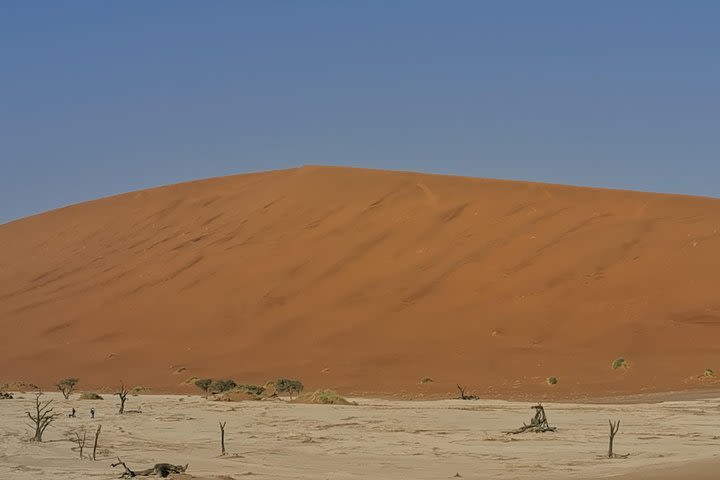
(367, 281)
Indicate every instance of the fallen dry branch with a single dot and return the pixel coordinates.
(538, 424)
(160, 470)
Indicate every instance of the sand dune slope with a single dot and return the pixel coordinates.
(367, 281)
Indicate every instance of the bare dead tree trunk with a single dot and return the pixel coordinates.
(97, 435)
(42, 417)
(222, 437)
(122, 393)
(80, 441)
(614, 427)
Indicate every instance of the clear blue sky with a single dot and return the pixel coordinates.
(98, 98)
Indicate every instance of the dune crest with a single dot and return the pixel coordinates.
(365, 282)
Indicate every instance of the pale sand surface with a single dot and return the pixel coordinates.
(378, 439)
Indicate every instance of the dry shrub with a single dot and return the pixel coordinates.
(323, 397)
(235, 396)
(90, 396)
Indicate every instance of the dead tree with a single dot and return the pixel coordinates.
(66, 386)
(122, 393)
(538, 424)
(97, 435)
(42, 417)
(222, 437)
(80, 440)
(160, 469)
(614, 427)
(462, 395)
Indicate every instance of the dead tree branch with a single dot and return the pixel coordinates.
(538, 424)
(97, 435)
(462, 395)
(222, 437)
(80, 440)
(42, 417)
(128, 473)
(160, 469)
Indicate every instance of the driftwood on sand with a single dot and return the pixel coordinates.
(159, 470)
(538, 424)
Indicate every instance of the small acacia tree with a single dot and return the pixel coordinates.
(66, 386)
(215, 386)
(41, 417)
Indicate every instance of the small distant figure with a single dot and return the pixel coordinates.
(72, 414)
(92, 412)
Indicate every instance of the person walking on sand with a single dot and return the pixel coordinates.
(92, 412)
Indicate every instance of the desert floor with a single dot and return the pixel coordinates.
(376, 439)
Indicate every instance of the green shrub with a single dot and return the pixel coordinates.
(285, 385)
(252, 389)
(552, 380)
(425, 380)
(619, 363)
(203, 383)
(220, 386)
(709, 372)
